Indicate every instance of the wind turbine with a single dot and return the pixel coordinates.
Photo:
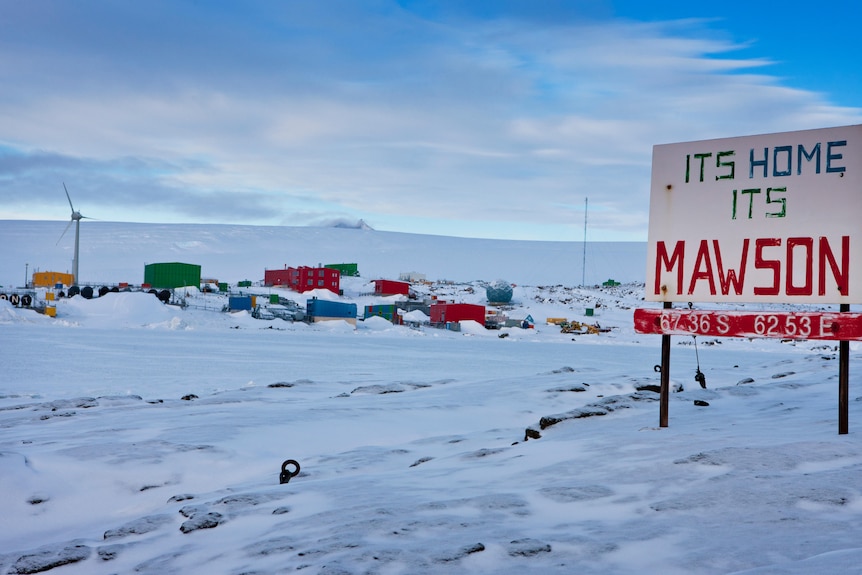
(76, 217)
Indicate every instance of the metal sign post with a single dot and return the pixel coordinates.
(664, 400)
(844, 382)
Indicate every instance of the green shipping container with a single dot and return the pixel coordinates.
(172, 275)
(273, 298)
(244, 283)
(349, 270)
(386, 311)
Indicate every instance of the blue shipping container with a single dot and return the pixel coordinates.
(239, 303)
(325, 308)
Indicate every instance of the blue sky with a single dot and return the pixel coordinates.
(475, 119)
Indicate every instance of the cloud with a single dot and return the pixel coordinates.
(388, 112)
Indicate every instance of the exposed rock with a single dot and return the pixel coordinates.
(643, 396)
(139, 526)
(57, 414)
(461, 553)
(49, 557)
(575, 388)
(181, 497)
(527, 547)
(192, 510)
(649, 387)
(203, 521)
(109, 552)
(380, 389)
(603, 407)
(581, 412)
(485, 452)
(80, 402)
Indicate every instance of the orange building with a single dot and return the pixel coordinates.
(50, 279)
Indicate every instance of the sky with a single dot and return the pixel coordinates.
(506, 120)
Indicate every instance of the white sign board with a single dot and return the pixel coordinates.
(768, 218)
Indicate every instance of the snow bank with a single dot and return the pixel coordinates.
(416, 316)
(11, 314)
(470, 327)
(124, 309)
(377, 323)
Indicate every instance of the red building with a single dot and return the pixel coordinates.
(304, 278)
(443, 312)
(276, 277)
(391, 287)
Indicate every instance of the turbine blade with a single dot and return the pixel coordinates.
(68, 198)
(69, 225)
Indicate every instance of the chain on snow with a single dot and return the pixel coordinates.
(698, 375)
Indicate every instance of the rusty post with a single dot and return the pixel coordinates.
(665, 375)
(843, 381)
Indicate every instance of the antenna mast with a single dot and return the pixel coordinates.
(584, 262)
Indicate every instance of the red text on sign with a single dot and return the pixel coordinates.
(798, 266)
(786, 325)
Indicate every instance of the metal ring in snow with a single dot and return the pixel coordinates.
(286, 475)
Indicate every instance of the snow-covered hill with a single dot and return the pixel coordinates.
(117, 252)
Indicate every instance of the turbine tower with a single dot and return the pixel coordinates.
(76, 217)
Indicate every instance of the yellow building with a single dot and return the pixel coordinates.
(50, 279)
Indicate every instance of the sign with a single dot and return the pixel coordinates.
(785, 325)
(767, 218)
